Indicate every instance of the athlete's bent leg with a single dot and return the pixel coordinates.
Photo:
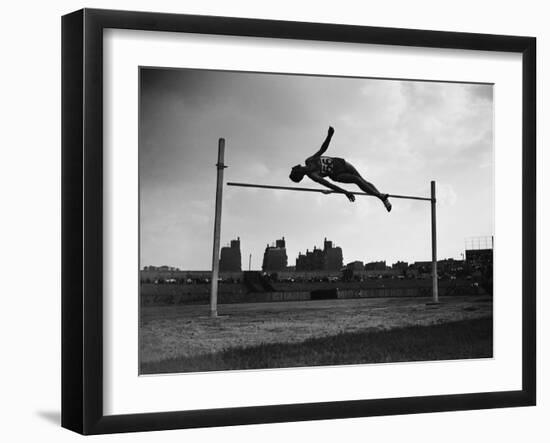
(364, 185)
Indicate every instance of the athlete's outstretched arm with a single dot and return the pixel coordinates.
(325, 144)
(317, 178)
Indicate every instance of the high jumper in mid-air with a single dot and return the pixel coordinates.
(318, 166)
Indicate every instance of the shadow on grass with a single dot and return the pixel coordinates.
(448, 341)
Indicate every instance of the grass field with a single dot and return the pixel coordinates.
(260, 335)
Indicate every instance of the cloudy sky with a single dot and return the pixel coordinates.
(398, 134)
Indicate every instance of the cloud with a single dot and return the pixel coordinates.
(445, 194)
(258, 169)
(398, 134)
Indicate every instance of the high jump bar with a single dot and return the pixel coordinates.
(291, 188)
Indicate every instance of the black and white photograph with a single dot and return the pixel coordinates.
(291, 221)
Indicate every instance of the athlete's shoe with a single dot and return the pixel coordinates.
(387, 204)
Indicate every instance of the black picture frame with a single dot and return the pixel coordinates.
(82, 218)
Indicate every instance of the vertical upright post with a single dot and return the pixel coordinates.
(434, 247)
(249, 262)
(217, 227)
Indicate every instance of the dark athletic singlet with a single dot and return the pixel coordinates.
(331, 166)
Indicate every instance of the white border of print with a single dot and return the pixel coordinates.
(125, 392)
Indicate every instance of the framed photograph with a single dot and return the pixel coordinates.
(269, 221)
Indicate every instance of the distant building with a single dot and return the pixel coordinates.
(479, 256)
(162, 268)
(311, 260)
(376, 266)
(354, 270)
(355, 266)
(334, 259)
(420, 269)
(479, 263)
(330, 258)
(275, 258)
(400, 266)
(450, 266)
(230, 257)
